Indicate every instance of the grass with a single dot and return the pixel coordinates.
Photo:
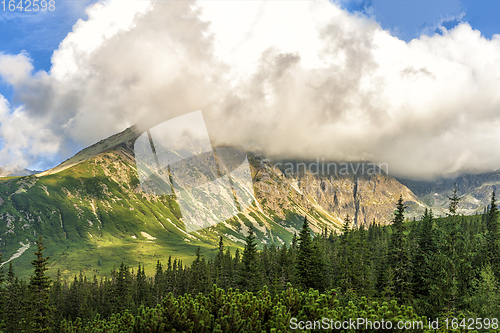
(87, 219)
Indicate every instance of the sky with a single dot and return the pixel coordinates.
(413, 84)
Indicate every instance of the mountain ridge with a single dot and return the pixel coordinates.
(93, 213)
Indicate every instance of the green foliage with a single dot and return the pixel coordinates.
(433, 267)
(16, 296)
(234, 311)
(41, 310)
(93, 216)
(485, 302)
(425, 257)
(399, 257)
(307, 274)
(2, 296)
(493, 237)
(249, 275)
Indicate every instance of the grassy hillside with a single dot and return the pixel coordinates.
(93, 214)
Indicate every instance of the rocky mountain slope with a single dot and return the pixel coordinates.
(93, 214)
(474, 190)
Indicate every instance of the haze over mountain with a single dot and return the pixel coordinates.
(12, 172)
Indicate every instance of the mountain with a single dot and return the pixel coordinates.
(362, 190)
(16, 172)
(473, 189)
(93, 213)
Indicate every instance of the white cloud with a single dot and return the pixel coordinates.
(15, 68)
(297, 78)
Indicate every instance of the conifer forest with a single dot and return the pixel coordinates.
(444, 270)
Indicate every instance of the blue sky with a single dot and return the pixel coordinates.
(37, 33)
(408, 19)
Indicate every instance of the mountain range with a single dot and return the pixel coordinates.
(93, 214)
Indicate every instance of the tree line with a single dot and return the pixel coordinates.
(434, 267)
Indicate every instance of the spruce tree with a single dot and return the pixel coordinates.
(346, 227)
(15, 299)
(424, 271)
(159, 282)
(398, 256)
(141, 288)
(56, 300)
(345, 257)
(454, 201)
(41, 311)
(249, 275)
(219, 264)
(2, 275)
(382, 274)
(362, 263)
(198, 281)
(122, 291)
(309, 262)
(284, 265)
(492, 237)
(169, 275)
(453, 245)
(2, 296)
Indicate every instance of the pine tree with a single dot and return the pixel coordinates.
(159, 282)
(41, 311)
(424, 272)
(122, 293)
(453, 243)
(309, 261)
(56, 301)
(317, 267)
(346, 266)
(398, 257)
(199, 275)
(382, 274)
(2, 275)
(236, 263)
(304, 256)
(454, 201)
(169, 275)
(486, 301)
(2, 296)
(362, 262)
(284, 265)
(492, 237)
(249, 275)
(219, 264)
(15, 298)
(141, 288)
(346, 227)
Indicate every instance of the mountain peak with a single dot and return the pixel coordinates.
(121, 142)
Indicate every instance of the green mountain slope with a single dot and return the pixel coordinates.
(93, 214)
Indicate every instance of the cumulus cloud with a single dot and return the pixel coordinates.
(295, 79)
